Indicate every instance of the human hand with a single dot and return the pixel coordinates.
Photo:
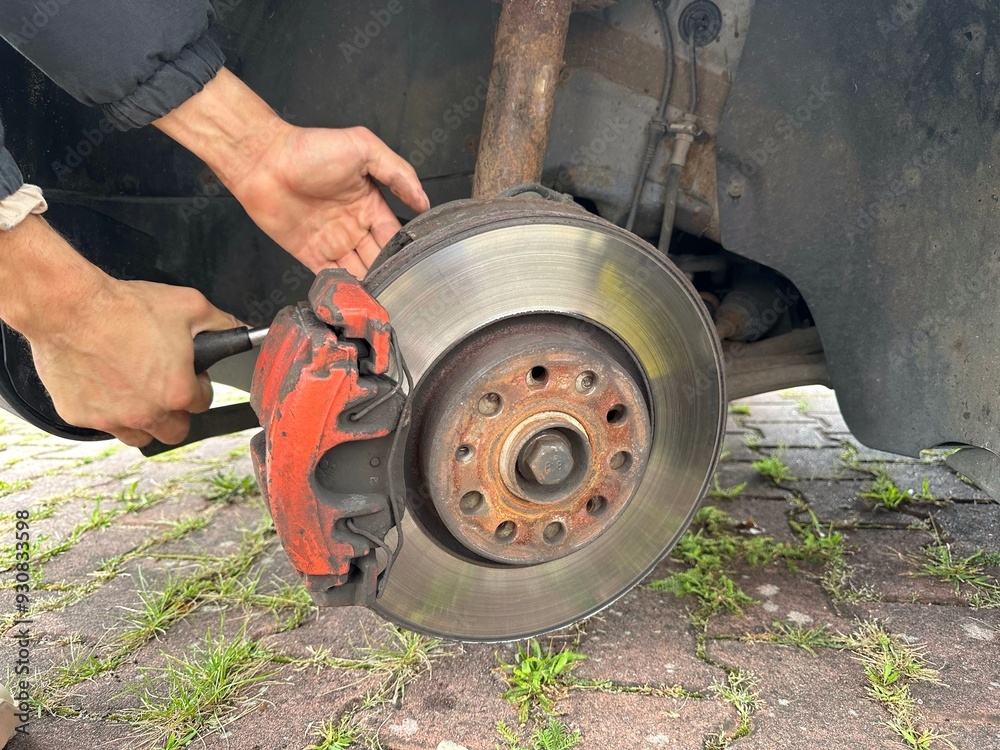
(116, 356)
(314, 193)
(125, 363)
(312, 190)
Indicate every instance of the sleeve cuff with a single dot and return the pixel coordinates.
(17, 207)
(170, 86)
(10, 176)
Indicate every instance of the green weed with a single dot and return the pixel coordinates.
(336, 734)
(552, 736)
(290, 602)
(795, 634)
(885, 492)
(712, 546)
(739, 409)
(197, 694)
(740, 691)
(402, 656)
(838, 580)
(132, 501)
(537, 677)
(8, 488)
(942, 564)
(227, 487)
(725, 493)
(962, 571)
(816, 543)
(106, 453)
(891, 666)
(773, 468)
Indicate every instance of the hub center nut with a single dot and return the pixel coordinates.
(547, 458)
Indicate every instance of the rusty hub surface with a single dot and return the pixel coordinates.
(538, 450)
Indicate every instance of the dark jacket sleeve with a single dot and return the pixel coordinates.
(136, 59)
(10, 176)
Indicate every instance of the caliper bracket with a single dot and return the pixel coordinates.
(329, 409)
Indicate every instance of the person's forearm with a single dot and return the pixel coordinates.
(43, 280)
(314, 191)
(227, 125)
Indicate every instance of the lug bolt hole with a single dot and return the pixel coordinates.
(586, 381)
(505, 531)
(465, 453)
(617, 413)
(621, 461)
(471, 502)
(537, 377)
(489, 405)
(597, 505)
(554, 532)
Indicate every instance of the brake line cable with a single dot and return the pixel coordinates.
(658, 124)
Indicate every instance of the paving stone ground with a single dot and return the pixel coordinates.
(164, 614)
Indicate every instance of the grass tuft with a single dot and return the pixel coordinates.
(885, 492)
(8, 488)
(891, 667)
(725, 493)
(228, 488)
(740, 691)
(537, 678)
(795, 634)
(197, 694)
(713, 546)
(336, 734)
(968, 572)
(959, 571)
(552, 736)
(773, 468)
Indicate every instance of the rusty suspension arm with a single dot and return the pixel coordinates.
(527, 59)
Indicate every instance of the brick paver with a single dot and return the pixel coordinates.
(852, 604)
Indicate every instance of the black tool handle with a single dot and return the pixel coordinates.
(221, 420)
(212, 347)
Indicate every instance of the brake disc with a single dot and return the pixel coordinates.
(568, 414)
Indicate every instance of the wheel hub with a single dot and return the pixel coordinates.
(538, 438)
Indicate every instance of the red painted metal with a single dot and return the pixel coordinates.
(305, 385)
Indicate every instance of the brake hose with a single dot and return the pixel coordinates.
(683, 138)
(658, 124)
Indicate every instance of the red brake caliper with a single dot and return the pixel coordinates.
(329, 412)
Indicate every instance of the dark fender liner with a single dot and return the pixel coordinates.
(864, 142)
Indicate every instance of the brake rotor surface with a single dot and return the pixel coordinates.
(537, 333)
